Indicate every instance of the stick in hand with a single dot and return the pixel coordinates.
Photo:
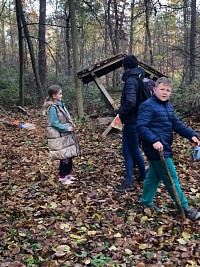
(173, 186)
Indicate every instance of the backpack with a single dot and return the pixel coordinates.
(144, 92)
(150, 85)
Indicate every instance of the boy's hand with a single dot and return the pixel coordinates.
(196, 140)
(158, 146)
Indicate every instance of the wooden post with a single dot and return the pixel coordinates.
(173, 186)
(105, 92)
(112, 125)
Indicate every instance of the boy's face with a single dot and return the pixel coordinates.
(163, 91)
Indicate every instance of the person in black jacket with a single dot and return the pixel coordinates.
(128, 115)
(155, 124)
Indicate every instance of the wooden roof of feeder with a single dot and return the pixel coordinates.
(110, 64)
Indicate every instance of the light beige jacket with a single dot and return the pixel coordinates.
(62, 145)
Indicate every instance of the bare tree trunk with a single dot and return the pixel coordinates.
(31, 51)
(116, 31)
(3, 41)
(148, 34)
(67, 41)
(192, 40)
(106, 38)
(3, 44)
(77, 81)
(185, 75)
(21, 56)
(115, 19)
(131, 28)
(110, 28)
(12, 36)
(41, 43)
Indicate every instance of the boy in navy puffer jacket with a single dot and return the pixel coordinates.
(155, 125)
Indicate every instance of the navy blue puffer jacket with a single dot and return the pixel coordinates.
(156, 122)
(128, 105)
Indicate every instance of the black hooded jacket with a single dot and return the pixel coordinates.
(128, 105)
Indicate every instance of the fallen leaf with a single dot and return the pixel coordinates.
(186, 235)
(142, 246)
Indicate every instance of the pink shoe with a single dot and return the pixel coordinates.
(68, 181)
(65, 180)
(71, 177)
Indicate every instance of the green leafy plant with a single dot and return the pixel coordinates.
(100, 260)
(36, 246)
(31, 261)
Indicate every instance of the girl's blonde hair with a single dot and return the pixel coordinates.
(52, 90)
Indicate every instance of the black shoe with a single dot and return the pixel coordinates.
(192, 214)
(124, 187)
(140, 179)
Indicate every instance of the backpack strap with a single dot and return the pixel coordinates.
(143, 91)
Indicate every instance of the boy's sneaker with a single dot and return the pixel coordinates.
(157, 208)
(153, 208)
(192, 214)
(124, 187)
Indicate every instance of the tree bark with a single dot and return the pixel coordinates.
(67, 41)
(148, 46)
(21, 56)
(77, 81)
(41, 43)
(193, 29)
(185, 75)
(131, 27)
(31, 51)
(3, 39)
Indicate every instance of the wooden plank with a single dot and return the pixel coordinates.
(101, 68)
(107, 130)
(155, 74)
(105, 120)
(99, 65)
(105, 93)
(1, 108)
(23, 110)
(110, 126)
(110, 64)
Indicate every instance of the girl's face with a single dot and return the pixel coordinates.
(163, 91)
(58, 96)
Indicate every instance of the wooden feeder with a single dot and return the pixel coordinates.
(97, 70)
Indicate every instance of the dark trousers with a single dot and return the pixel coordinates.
(132, 153)
(65, 167)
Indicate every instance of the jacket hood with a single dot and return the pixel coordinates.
(51, 103)
(129, 62)
(135, 71)
(47, 104)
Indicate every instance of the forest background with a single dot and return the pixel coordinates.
(46, 224)
(45, 42)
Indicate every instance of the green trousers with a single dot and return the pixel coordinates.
(156, 174)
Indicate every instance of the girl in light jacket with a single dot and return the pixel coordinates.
(62, 141)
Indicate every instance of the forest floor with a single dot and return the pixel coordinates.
(44, 223)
